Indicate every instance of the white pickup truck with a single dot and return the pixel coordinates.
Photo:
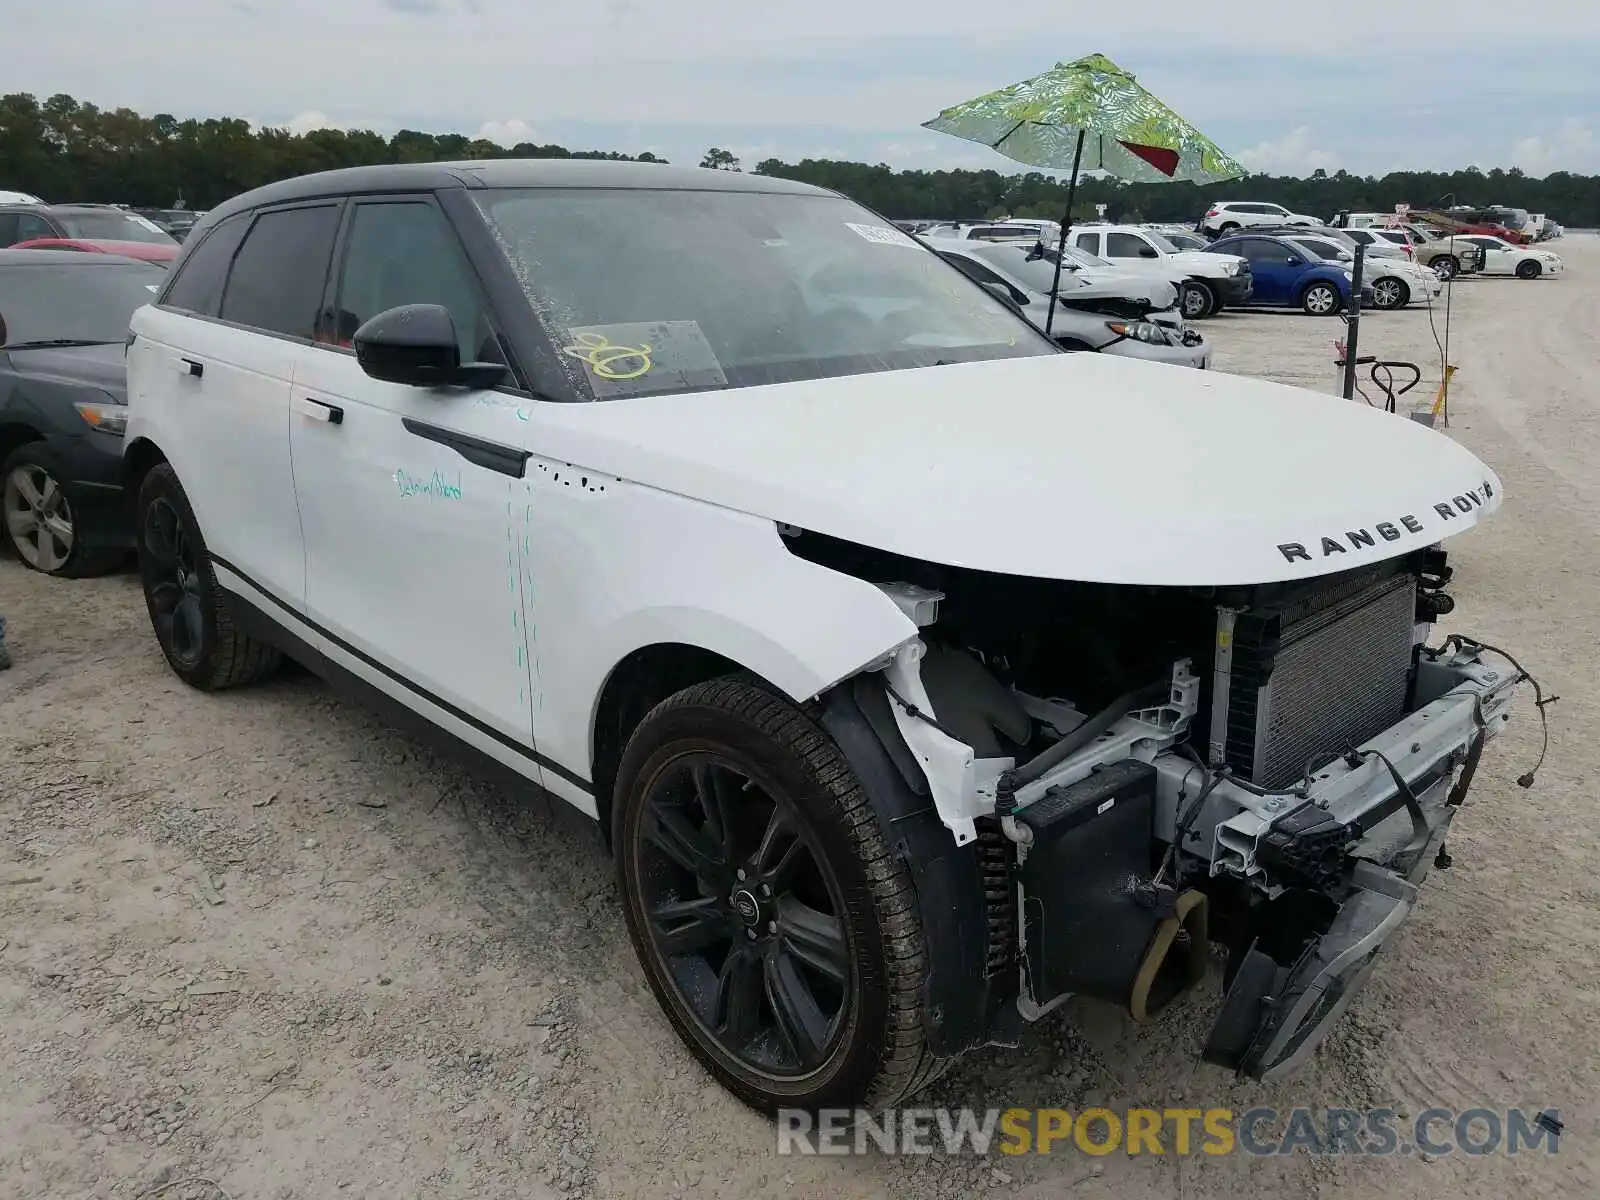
(1217, 281)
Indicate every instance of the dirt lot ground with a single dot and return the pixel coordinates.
(262, 939)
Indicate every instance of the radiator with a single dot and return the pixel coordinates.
(1317, 673)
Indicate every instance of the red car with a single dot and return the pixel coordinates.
(104, 228)
(151, 252)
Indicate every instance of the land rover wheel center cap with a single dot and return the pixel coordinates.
(746, 907)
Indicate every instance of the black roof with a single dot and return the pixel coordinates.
(509, 173)
(63, 258)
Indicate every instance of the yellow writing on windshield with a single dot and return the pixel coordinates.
(609, 360)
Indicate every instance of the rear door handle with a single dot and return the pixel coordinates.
(318, 410)
(190, 366)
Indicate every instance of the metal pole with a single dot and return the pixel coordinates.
(1354, 335)
(1061, 247)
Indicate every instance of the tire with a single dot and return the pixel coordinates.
(1529, 270)
(36, 513)
(1320, 299)
(727, 773)
(1196, 300)
(1389, 293)
(1446, 266)
(188, 610)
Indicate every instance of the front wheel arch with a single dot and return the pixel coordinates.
(644, 678)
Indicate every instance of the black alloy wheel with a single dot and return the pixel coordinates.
(777, 929)
(172, 584)
(188, 610)
(744, 915)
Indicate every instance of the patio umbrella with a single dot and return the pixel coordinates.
(1088, 115)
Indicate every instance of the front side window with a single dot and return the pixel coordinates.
(197, 286)
(91, 302)
(1260, 250)
(647, 291)
(112, 225)
(1126, 245)
(404, 252)
(278, 273)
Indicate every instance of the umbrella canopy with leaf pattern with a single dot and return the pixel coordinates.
(1088, 115)
(1127, 131)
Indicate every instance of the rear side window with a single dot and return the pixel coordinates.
(1089, 242)
(197, 287)
(278, 273)
(8, 228)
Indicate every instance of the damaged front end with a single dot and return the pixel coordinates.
(1142, 774)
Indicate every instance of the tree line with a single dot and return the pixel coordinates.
(66, 150)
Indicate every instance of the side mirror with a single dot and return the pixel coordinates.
(1148, 252)
(1294, 260)
(415, 344)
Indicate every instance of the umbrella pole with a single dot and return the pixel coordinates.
(1061, 247)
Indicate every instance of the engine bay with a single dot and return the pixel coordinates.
(1265, 771)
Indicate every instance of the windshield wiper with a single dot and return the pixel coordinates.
(42, 343)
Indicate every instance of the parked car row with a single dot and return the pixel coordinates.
(1266, 268)
(1495, 240)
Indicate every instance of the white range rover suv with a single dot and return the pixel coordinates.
(917, 673)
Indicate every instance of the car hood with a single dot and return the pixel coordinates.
(1150, 291)
(1196, 260)
(1089, 467)
(103, 367)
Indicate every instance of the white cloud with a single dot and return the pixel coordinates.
(1292, 154)
(507, 133)
(1572, 147)
(311, 120)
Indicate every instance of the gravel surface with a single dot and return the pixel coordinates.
(261, 943)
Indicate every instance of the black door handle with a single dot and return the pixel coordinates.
(318, 410)
(192, 367)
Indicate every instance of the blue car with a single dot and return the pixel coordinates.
(1286, 277)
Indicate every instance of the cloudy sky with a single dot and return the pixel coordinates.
(1369, 85)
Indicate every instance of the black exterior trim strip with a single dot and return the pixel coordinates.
(507, 460)
(465, 718)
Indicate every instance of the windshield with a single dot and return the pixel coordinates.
(1186, 241)
(1160, 241)
(648, 291)
(112, 225)
(92, 302)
